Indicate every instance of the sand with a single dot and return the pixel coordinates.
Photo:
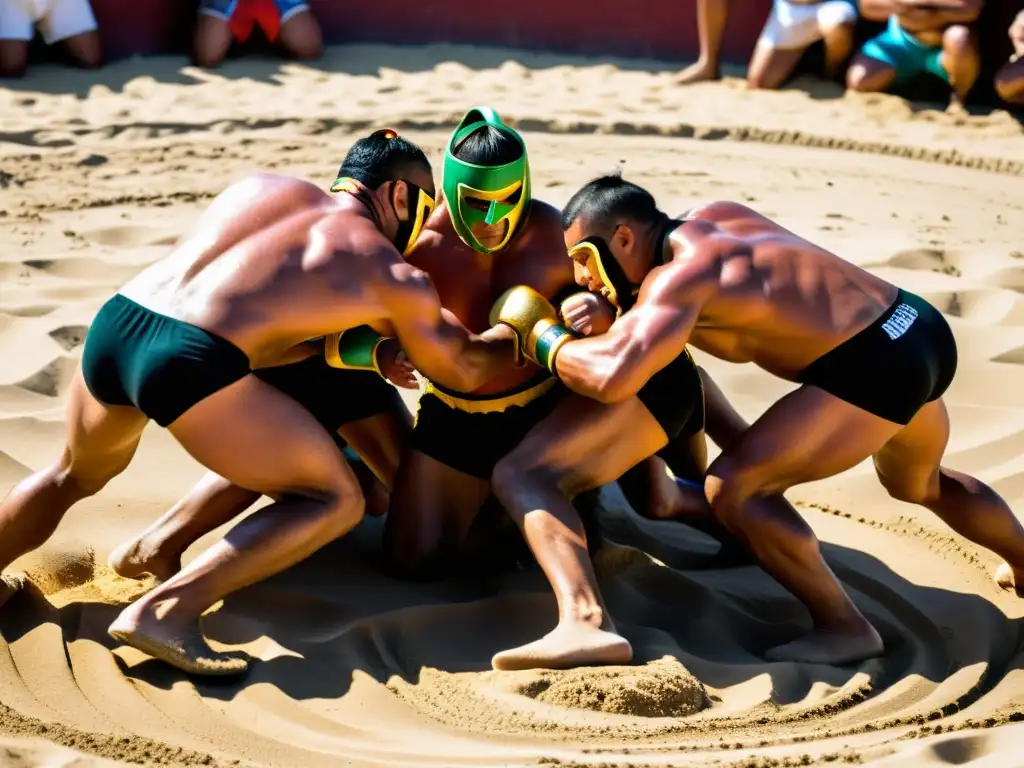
(100, 172)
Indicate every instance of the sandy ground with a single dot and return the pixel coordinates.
(100, 172)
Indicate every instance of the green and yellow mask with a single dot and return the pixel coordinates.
(479, 193)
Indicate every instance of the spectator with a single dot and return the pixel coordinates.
(288, 23)
(70, 22)
(711, 18)
(922, 37)
(793, 25)
(1010, 79)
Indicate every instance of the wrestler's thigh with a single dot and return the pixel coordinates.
(587, 444)
(908, 464)
(429, 500)
(101, 439)
(807, 435)
(255, 436)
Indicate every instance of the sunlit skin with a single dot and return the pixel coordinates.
(273, 262)
(740, 287)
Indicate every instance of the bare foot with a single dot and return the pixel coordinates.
(823, 646)
(9, 585)
(576, 645)
(133, 560)
(181, 647)
(1005, 577)
(696, 73)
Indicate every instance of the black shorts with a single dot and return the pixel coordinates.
(334, 396)
(675, 397)
(473, 443)
(906, 358)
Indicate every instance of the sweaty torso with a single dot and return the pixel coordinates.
(469, 282)
(274, 261)
(772, 298)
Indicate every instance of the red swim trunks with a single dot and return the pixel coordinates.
(243, 15)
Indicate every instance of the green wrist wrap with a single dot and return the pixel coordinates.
(355, 348)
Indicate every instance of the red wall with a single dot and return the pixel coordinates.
(649, 28)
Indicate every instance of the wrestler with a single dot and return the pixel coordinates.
(872, 361)
(370, 425)
(489, 235)
(1010, 77)
(273, 263)
(922, 37)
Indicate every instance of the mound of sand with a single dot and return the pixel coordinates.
(354, 668)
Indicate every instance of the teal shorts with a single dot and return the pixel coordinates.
(904, 53)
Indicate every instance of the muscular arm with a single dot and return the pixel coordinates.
(614, 366)
(437, 344)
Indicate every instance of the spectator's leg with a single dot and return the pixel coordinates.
(213, 39)
(771, 67)
(711, 19)
(960, 60)
(300, 35)
(16, 30)
(1010, 81)
(13, 58)
(869, 75)
(72, 24)
(838, 47)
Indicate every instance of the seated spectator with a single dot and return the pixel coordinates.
(792, 27)
(922, 38)
(288, 23)
(70, 22)
(1010, 79)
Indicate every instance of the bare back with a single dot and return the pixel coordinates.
(274, 261)
(469, 282)
(777, 300)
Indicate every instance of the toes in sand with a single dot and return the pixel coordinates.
(820, 646)
(566, 648)
(1005, 578)
(185, 649)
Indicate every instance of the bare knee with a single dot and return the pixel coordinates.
(957, 41)
(911, 490)
(866, 75)
(520, 478)
(301, 37)
(1009, 83)
(86, 50)
(13, 58)
(729, 485)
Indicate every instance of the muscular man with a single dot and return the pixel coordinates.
(871, 359)
(273, 263)
(288, 24)
(489, 236)
(363, 412)
(1010, 77)
(922, 37)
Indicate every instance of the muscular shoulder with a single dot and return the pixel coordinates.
(719, 211)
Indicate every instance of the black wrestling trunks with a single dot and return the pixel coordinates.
(906, 358)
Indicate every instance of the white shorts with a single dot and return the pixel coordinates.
(57, 19)
(791, 25)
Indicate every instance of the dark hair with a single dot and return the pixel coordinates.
(376, 158)
(489, 146)
(611, 197)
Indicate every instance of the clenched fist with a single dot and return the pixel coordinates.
(588, 314)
